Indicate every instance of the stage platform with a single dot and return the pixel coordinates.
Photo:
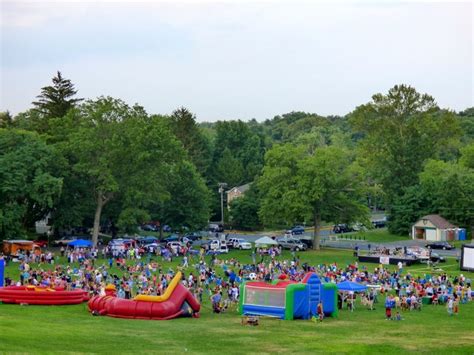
(385, 259)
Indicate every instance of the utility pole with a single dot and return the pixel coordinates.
(222, 186)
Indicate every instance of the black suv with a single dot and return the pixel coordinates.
(342, 228)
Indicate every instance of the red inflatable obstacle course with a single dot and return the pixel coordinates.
(177, 301)
(41, 295)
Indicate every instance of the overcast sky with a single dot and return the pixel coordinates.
(238, 59)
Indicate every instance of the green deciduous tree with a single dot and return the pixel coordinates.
(229, 169)
(123, 153)
(189, 198)
(6, 119)
(401, 131)
(29, 183)
(445, 188)
(297, 186)
(235, 140)
(451, 190)
(466, 121)
(408, 208)
(467, 156)
(244, 210)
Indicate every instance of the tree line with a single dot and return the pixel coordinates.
(101, 162)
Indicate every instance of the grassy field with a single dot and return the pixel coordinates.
(375, 235)
(71, 329)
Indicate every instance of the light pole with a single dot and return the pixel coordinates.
(48, 233)
(222, 186)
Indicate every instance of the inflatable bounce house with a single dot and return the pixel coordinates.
(177, 301)
(38, 295)
(288, 299)
(34, 295)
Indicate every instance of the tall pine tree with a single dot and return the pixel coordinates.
(57, 100)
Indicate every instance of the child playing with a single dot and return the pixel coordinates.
(320, 311)
(388, 308)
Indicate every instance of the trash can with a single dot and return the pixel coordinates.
(426, 300)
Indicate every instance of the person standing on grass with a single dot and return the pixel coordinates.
(388, 307)
(320, 311)
(450, 306)
(216, 300)
(456, 306)
(400, 267)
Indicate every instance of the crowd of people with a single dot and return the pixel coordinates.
(139, 272)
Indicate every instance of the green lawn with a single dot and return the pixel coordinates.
(375, 235)
(37, 329)
(459, 243)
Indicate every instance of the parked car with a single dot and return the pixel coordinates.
(143, 241)
(436, 258)
(357, 227)
(185, 240)
(64, 241)
(41, 243)
(152, 248)
(292, 244)
(231, 242)
(308, 242)
(174, 246)
(149, 228)
(440, 245)
(212, 245)
(193, 236)
(342, 228)
(120, 244)
(215, 227)
(380, 223)
(171, 238)
(242, 244)
(166, 228)
(223, 249)
(297, 230)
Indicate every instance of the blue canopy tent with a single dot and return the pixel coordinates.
(351, 286)
(80, 243)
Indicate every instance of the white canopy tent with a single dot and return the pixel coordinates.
(265, 241)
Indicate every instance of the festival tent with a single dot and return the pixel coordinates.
(351, 286)
(265, 241)
(80, 243)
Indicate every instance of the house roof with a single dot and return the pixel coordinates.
(241, 188)
(438, 221)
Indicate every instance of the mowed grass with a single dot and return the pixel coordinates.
(375, 235)
(71, 329)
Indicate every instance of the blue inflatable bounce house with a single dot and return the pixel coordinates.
(289, 299)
